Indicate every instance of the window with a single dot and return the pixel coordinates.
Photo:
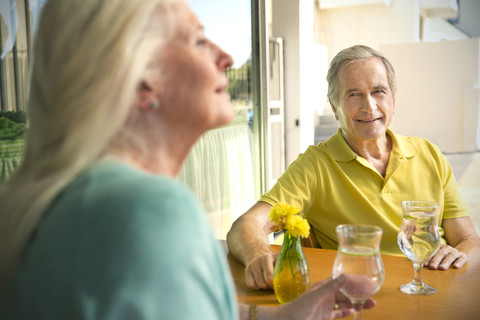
(15, 24)
(223, 168)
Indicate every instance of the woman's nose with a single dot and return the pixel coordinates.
(224, 60)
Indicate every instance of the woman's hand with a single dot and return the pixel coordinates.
(323, 301)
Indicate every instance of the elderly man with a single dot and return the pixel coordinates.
(360, 175)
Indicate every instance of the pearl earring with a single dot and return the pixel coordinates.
(154, 105)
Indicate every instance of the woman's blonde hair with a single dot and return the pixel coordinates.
(88, 60)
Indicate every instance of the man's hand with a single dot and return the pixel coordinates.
(464, 245)
(259, 272)
(445, 257)
(248, 243)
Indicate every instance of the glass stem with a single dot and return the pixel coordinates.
(358, 311)
(417, 277)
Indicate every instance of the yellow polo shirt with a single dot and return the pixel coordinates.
(333, 185)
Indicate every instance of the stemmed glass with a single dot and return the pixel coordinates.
(419, 240)
(359, 258)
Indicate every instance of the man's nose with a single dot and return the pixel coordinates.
(369, 104)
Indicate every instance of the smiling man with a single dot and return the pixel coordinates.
(360, 175)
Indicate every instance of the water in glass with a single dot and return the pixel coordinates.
(359, 259)
(419, 240)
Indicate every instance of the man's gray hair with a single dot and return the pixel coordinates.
(350, 55)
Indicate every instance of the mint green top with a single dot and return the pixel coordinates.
(119, 243)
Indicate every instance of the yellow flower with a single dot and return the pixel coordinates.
(286, 217)
(297, 226)
(282, 210)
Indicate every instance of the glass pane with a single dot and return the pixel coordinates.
(220, 167)
(13, 55)
(17, 21)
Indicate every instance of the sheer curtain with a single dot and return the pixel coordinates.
(221, 166)
(219, 171)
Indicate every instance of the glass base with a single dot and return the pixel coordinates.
(420, 289)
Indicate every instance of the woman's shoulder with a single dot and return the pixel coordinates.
(118, 182)
(115, 205)
(114, 193)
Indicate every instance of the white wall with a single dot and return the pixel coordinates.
(292, 20)
(371, 25)
(438, 93)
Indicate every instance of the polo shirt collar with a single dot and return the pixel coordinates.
(341, 151)
(402, 147)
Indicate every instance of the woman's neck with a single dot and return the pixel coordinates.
(158, 150)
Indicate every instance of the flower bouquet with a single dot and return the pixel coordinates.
(291, 277)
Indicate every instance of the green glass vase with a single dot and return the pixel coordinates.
(291, 277)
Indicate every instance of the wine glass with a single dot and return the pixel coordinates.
(359, 259)
(419, 240)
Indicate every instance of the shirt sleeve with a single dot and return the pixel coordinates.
(297, 185)
(454, 203)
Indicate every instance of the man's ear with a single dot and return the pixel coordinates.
(145, 96)
(333, 108)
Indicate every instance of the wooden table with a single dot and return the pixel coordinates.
(457, 297)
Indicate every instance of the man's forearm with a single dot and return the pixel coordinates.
(248, 237)
(471, 247)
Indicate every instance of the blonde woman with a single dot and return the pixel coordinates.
(93, 225)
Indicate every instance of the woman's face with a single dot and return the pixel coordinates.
(192, 90)
(365, 104)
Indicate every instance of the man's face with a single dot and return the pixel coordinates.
(365, 103)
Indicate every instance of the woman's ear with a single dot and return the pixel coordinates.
(145, 97)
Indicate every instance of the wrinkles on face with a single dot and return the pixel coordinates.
(366, 103)
(192, 84)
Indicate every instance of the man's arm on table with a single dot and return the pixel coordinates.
(464, 245)
(248, 242)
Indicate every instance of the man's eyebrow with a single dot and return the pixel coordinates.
(351, 90)
(380, 87)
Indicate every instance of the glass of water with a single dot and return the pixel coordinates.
(419, 240)
(359, 259)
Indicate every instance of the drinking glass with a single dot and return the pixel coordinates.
(419, 240)
(359, 259)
